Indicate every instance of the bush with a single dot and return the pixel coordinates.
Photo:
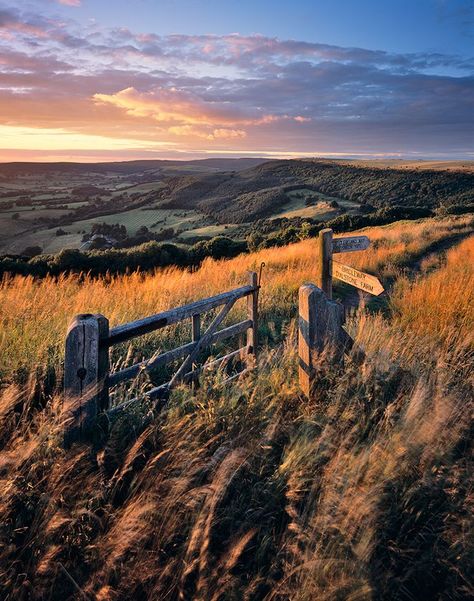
(32, 251)
(455, 209)
(219, 247)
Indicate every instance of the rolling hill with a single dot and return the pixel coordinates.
(45, 208)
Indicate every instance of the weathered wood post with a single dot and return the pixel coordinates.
(325, 261)
(86, 367)
(320, 329)
(252, 313)
(196, 335)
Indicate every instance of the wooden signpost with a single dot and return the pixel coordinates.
(349, 244)
(322, 337)
(327, 268)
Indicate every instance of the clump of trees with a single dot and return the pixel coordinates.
(143, 235)
(145, 257)
(153, 254)
(115, 231)
(103, 235)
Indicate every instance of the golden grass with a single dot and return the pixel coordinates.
(250, 491)
(443, 302)
(35, 314)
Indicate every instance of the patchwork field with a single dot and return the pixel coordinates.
(45, 208)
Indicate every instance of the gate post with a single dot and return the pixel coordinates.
(319, 329)
(86, 367)
(252, 313)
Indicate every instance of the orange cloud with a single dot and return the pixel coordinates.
(221, 133)
(181, 114)
(164, 106)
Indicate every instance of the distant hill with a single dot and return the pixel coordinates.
(256, 192)
(190, 201)
(126, 167)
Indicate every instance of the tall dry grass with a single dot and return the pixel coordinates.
(251, 491)
(35, 314)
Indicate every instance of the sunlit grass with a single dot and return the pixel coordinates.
(35, 314)
(250, 491)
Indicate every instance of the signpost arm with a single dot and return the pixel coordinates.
(325, 261)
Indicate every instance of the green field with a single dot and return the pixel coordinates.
(207, 205)
(213, 230)
(134, 219)
(155, 220)
(321, 209)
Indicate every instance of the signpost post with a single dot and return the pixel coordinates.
(325, 262)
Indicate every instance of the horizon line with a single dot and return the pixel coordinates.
(263, 156)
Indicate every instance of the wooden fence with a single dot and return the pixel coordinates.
(87, 377)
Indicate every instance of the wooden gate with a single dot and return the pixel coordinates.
(87, 378)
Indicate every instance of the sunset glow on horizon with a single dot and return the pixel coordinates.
(76, 85)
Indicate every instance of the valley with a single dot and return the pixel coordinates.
(45, 208)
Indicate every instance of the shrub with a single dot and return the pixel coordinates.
(32, 251)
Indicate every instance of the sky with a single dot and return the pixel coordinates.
(94, 80)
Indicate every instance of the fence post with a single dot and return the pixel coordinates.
(252, 313)
(325, 261)
(196, 335)
(86, 367)
(319, 329)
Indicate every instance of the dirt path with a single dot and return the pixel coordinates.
(354, 298)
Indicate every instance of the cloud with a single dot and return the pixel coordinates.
(221, 93)
(183, 113)
(12, 21)
(70, 2)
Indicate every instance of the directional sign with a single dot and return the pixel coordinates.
(359, 279)
(349, 244)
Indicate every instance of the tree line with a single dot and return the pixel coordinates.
(152, 255)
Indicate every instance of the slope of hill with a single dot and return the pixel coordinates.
(45, 208)
(228, 197)
(124, 167)
(251, 491)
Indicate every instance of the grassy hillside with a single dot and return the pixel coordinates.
(194, 198)
(259, 192)
(36, 199)
(250, 491)
(30, 335)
